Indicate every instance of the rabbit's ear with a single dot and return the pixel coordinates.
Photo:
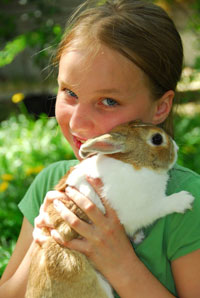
(106, 144)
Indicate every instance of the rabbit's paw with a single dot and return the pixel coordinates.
(138, 237)
(181, 201)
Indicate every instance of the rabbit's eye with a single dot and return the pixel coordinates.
(157, 139)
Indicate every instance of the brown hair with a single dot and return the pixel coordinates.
(141, 31)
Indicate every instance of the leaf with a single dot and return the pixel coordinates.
(11, 50)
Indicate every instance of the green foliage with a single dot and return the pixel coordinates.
(187, 136)
(101, 2)
(197, 64)
(11, 49)
(194, 24)
(33, 26)
(26, 146)
(36, 39)
(39, 26)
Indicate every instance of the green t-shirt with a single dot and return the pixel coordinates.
(168, 238)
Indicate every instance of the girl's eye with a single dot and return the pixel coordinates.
(70, 93)
(109, 102)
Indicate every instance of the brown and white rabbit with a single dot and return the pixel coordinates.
(133, 162)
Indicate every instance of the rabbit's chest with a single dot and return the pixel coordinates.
(124, 187)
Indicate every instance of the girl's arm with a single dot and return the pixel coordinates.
(14, 279)
(186, 271)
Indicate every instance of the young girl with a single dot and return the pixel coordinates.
(118, 61)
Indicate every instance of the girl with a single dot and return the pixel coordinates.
(118, 61)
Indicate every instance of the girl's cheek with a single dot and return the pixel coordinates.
(62, 111)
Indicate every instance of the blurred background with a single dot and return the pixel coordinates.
(30, 139)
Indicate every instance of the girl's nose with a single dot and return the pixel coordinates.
(82, 120)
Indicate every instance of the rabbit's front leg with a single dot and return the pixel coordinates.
(177, 202)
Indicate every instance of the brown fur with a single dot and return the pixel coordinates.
(58, 272)
(136, 133)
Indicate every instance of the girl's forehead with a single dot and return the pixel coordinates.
(106, 70)
(101, 54)
(105, 61)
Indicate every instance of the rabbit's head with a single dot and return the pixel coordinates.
(140, 144)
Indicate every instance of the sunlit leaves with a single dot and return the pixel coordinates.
(26, 147)
(11, 49)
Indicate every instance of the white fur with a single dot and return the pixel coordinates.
(138, 237)
(138, 196)
(105, 285)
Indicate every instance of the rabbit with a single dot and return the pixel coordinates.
(133, 159)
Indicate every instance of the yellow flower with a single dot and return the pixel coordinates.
(39, 168)
(3, 186)
(7, 177)
(34, 170)
(17, 97)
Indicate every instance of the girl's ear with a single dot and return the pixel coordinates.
(163, 107)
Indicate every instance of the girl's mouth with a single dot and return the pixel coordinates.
(78, 142)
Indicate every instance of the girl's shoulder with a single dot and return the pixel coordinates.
(178, 233)
(58, 168)
(44, 182)
(181, 178)
(181, 230)
(53, 172)
(50, 176)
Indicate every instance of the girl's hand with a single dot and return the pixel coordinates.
(104, 241)
(43, 220)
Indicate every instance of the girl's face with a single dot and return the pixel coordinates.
(98, 93)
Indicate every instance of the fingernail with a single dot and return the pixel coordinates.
(69, 190)
(41, 239)
(89, 178)
(57, 204)
(48, 220)
(55, 234)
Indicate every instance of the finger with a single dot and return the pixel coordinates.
(39, 237)
(81, 245)
(43, 220)
(56, 236)
(85, 204)
(72, 220)
(50, 196)
(97, 184)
